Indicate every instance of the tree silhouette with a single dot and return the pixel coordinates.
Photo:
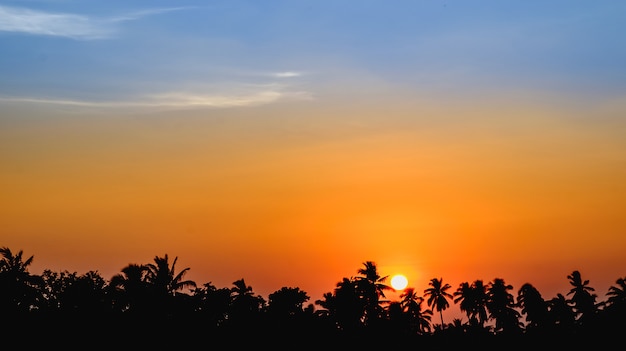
(165, 285)
(438, 296)
(533, 306)
(344, 305)
(411, 304)
(615, 308)
(83, 294)
(164, 279)
(130, 287)
(146, 304)
(19, 290)
(583, 301)
(286, 311)
(501, 307)
(372, 287)
(617, 294)
(561, 313)
(212, 304)
(245, 307)
(473, 300)
(287, 302)
(463, 296)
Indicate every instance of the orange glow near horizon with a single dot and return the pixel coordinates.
(306, 204)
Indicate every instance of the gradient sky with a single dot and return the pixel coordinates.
(288, 142)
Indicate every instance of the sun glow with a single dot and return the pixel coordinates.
(399, 282)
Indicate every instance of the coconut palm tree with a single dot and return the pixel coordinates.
(533, 306)
(411, 304)
(615, 307)
(20, 291)
(473, 300)
(462, 296)
(165, 285)
(245, 307)
(371, 286)
(438, 296)
(501, 307)
(583, 300)
(617, 293)
(130, 287)
(561, 314)
(348, 305)
(164, 279)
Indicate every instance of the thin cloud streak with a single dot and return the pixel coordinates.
(172, 100)
(23, 20)
(144, 13)
(28, 21)
(287, 74)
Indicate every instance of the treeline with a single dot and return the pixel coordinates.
(153, 305)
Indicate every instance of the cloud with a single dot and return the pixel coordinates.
(172, 100)
(22, 20)
(143, 13)
(287, 74)
(54, 24)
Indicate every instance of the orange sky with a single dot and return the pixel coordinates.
(299, 194)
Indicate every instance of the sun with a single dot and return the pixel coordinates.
(399, 282)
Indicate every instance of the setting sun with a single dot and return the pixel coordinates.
(399, 282)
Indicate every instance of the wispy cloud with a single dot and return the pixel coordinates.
(171, 100)
(143, 13)
(23, 20)
(288, 74)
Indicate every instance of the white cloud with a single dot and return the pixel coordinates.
(54, 24)
(143, 13)
(184, 99)
(22, 20)
(172, 100)
(287, 74)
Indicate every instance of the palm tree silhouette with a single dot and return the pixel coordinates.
(473, 300)
(500, 305)
(411, 304)
(348, 307)
(438, 296)
(245, 307)
(19, 290)
(533, 306)
(462, 296)
(241, 289)
(561, 313)
(165, 297)
(130, 287)
(371, 287)
(615, 307)
(617, 294)
(583, 300)
(164, 279)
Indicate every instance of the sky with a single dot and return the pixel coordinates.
(289, 142)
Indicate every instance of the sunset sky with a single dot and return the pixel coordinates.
(287, 142)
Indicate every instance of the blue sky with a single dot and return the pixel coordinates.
(233, 53)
